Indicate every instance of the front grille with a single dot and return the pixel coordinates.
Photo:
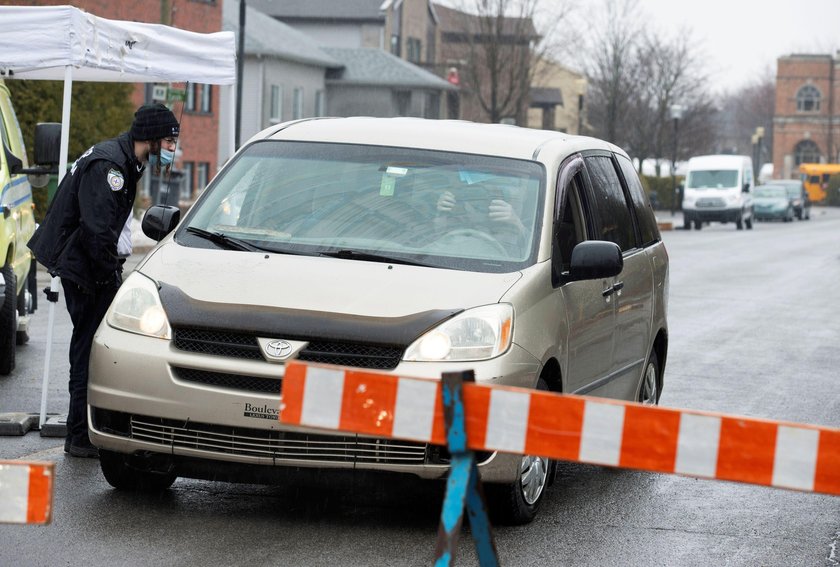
(276, 444)
(352, 354)
(242, 345)
(231, 381)
(220, 343)
(708, 202)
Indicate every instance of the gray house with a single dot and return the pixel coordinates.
(344, 23)
(371, 82)
(289, 75)
(284, 76)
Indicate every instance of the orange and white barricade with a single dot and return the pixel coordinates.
(570, 428)
(26, 490)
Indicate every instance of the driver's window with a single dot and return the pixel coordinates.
(569, 227)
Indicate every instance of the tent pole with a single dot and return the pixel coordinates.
(62, 170)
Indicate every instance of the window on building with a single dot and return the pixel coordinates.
(320, 103)
(432, 105)
(414, 49)
(188, 180)
(203, 176)
(189, 100)
(808, 99)
(806, 151)
(396, 33)
(206, 98)
(297, 103)
(276, 110)
(402, 102)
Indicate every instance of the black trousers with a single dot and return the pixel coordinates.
(86, 312)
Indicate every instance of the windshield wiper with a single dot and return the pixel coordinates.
(225, 241)
(370, 257)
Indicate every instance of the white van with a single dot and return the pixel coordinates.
(718, 188)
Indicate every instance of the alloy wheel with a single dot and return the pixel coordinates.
(533, 475)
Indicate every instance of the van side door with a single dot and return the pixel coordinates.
(590, 315)
(631, 290)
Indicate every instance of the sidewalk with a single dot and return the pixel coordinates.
(668, 222)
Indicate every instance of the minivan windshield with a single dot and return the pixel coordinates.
(712, 179)
(372, 203)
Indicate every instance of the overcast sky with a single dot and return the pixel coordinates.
(741, 39)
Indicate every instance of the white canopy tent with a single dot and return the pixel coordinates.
(66, 43)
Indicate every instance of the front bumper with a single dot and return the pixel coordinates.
(141, 400)
(770, 214)
(712, 215)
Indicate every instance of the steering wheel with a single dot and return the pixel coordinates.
(448, 238)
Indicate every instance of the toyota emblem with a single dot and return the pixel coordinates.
(278, 349)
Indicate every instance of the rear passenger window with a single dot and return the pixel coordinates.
(615, 221)
(644, 212)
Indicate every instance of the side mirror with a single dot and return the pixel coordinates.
(746, 188)
(160, 220)
(48, 144)
(595, 259)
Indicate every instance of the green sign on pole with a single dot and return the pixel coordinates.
(173, 94)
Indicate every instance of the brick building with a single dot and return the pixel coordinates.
(806, 125)
(198, 144)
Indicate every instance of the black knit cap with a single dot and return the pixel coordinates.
(154, 122)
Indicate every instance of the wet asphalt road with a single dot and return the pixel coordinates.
(755, 330)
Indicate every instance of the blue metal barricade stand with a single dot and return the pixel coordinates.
(463, 487)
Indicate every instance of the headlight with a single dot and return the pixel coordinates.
(733, 198)
(137, 308)
(477, 334)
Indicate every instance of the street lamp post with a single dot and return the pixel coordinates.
(676, 114)
(756, 140)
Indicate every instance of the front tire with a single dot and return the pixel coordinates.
(23, 309)
(517, 503)
(650, 391)
(124, 472)
(8, 323)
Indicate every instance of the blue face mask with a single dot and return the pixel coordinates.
(166, 158)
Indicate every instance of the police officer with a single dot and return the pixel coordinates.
(77, 241)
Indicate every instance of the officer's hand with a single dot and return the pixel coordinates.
(446, 202)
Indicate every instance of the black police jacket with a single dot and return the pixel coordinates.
(78, 238)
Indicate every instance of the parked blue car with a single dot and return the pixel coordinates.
(771, 202)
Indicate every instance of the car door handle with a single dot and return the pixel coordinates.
(617, 286)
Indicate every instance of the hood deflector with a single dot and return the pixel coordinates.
(184, 311)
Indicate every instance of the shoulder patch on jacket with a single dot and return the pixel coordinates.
(115, 179)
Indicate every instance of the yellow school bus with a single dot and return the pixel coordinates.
(815, 178)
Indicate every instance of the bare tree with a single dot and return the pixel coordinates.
(499, 44)
(745, 109)
(667, 74)
(612, 68)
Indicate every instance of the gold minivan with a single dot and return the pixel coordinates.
(401, 245)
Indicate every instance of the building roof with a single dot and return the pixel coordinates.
(454, 21)
(267, 37)
(375, 67)
(546, 96)
(321, 10)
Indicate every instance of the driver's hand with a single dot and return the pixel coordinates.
(446, 202)
(502, 211)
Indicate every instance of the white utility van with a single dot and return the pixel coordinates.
(718, 188)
